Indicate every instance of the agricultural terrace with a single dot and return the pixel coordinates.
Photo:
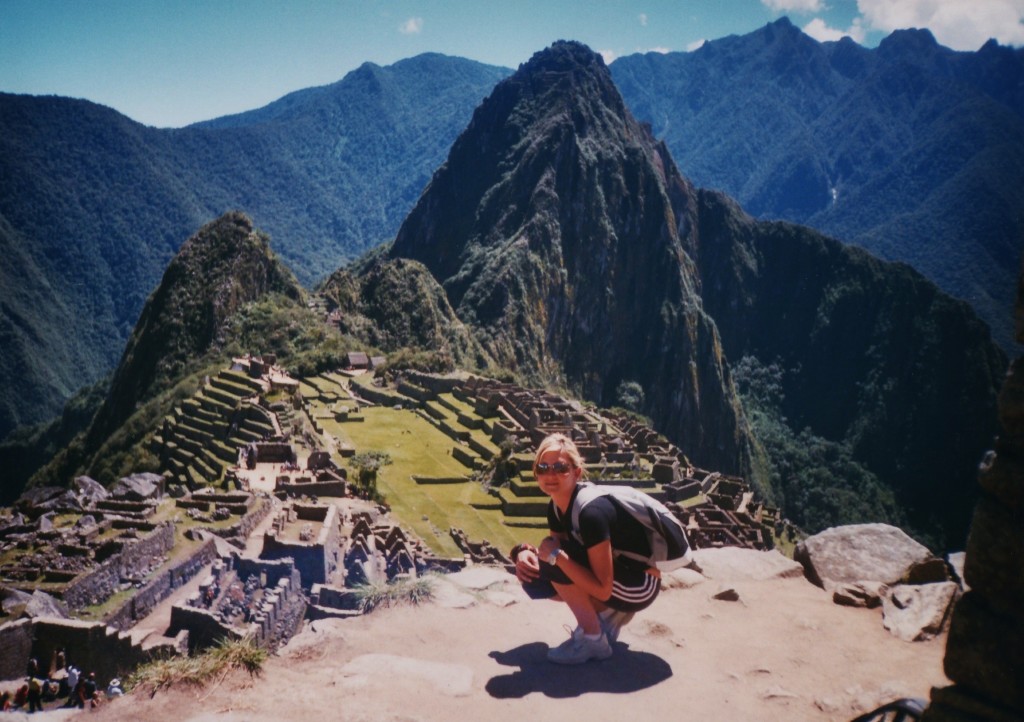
(417, 448)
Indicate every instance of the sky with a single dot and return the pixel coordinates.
(168, 63)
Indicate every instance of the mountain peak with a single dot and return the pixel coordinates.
(219, 269)
(557, 228)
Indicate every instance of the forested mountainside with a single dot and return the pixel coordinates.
(223, 290)
(93, 205)
(565, 238)
(910, 149)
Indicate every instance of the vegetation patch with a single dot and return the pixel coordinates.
(198, 670)
(394, 593)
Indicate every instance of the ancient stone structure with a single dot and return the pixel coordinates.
(243, 597)
(985, 648)
(317, 557)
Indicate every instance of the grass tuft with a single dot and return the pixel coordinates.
(388, 594)
(200, 669)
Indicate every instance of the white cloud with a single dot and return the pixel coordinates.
(643, 19)
(958, 24)
(820, 31)
(659, 49)
(412, 26)
(608, 55)
(794, 6)
(696, 45)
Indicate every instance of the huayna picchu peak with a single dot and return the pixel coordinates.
(557, 229)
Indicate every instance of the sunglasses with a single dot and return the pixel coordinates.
(559, 467)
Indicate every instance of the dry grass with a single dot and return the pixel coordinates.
(200, 669)
(393, 593)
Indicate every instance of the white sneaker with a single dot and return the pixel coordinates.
(579, 649)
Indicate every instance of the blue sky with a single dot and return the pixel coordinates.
(173, 62)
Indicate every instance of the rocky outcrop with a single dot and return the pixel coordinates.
(916, 612)
(985, 649)
(858, 553)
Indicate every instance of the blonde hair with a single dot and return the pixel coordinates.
(559, 442)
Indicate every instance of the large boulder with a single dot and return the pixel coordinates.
(138, 487)
(89, 489)
(859, 553)
(41, 604)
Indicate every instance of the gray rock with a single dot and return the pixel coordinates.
(929, 571)
(727, 594)
(859, 594)
(42, 604)
(38, 495)
(90, 489)
(735, 564)
(915, 613)
(681, 579)
(13, 601)
(86, 521)
(138, 487)
(45, 522)
(857, 553)
(67, 501)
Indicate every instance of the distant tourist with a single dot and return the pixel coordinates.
(35, 695)
(588, 568)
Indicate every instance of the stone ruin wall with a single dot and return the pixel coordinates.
(316, 561)
(91, 646)
(143, 602)
(99, 584)
(985, 647)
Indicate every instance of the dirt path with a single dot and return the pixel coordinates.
(784, 651)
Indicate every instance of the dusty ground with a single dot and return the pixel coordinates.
(784, 651)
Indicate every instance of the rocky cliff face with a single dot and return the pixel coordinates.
(556, 228)
(874, 355)
(985, 649)
(225, 265)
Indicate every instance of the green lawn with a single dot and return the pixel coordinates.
(418, 448)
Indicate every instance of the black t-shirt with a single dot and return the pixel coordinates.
(603, 519)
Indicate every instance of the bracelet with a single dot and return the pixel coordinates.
(553, 556)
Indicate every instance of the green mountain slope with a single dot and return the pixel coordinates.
(911, 150)
(93, 206)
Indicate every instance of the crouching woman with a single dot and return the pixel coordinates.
(602, 586)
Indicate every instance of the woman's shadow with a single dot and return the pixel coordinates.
(625, 671)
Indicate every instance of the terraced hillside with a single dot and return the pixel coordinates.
(202, 437)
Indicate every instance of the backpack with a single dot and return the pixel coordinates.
(668, 551)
